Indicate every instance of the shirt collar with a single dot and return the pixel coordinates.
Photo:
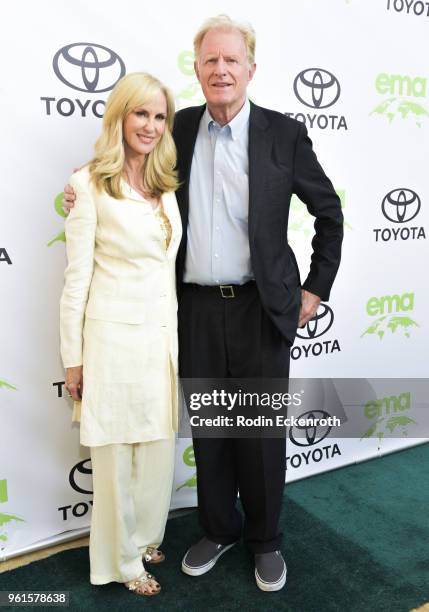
(236, 125)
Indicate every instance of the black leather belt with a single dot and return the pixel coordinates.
(224, 291)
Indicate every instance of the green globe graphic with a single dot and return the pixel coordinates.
(58, 205)
(393, 324)
(191, 91)
(189, 460)
(5, 519)
(403, 108)
(301, 223)
(391, 425)
(191, 482)
(6, 385)
(398, 421)
(372, 430)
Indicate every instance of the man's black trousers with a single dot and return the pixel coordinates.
(234, 338)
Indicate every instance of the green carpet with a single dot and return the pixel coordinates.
(356, 540)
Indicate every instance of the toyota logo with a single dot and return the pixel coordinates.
(316, 88)
(88, 67)
(308, 435)
(318, 325)
(401, 205)
(80, 472)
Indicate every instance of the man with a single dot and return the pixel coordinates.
(240, 298)
(238, 282)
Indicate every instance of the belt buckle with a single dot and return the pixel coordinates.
(224, 289)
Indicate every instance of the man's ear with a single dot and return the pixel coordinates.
(196, 69)
(252, 69)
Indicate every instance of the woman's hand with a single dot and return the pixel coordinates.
(69, 198)
(74, 382)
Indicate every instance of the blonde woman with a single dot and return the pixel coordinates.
(119, 327)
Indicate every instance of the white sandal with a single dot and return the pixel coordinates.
(153, 555)
(143, 579)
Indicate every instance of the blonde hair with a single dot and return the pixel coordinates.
(223, 22)
(133, 91)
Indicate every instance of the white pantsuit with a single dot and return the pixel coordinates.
(132, 489)
(118, 319)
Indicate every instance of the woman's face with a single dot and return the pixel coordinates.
(144, 126)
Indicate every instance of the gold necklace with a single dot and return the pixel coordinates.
(165, 224)
(140, 190)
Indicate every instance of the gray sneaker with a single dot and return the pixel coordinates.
(270, 571)
(201, 557)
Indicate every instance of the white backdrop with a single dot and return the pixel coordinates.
(369, 126)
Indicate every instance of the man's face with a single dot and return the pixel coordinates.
(223, 69)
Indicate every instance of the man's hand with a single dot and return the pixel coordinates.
(309, 305)
(74, 382)
(69, 198)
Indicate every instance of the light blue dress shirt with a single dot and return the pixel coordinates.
(218, 240)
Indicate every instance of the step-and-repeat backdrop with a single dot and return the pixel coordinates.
(355, 72)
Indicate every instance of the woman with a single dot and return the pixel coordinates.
(119, 327)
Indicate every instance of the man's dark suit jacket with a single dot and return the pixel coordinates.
(281, 162)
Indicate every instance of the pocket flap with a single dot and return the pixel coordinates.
(116, 310)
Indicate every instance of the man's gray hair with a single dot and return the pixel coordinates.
(223, 22)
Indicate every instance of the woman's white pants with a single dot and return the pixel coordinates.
(132, 491)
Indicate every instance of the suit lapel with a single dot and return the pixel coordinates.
(260, 144)
(185, 143)
(185, 135)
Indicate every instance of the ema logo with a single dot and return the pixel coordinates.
(318, 88)
(318, 326)
(390, 322)
(400, 206)
(5, 519)
(410, 7)
(387, 414)
(86, 67)
(189, 460)
(402, 102)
